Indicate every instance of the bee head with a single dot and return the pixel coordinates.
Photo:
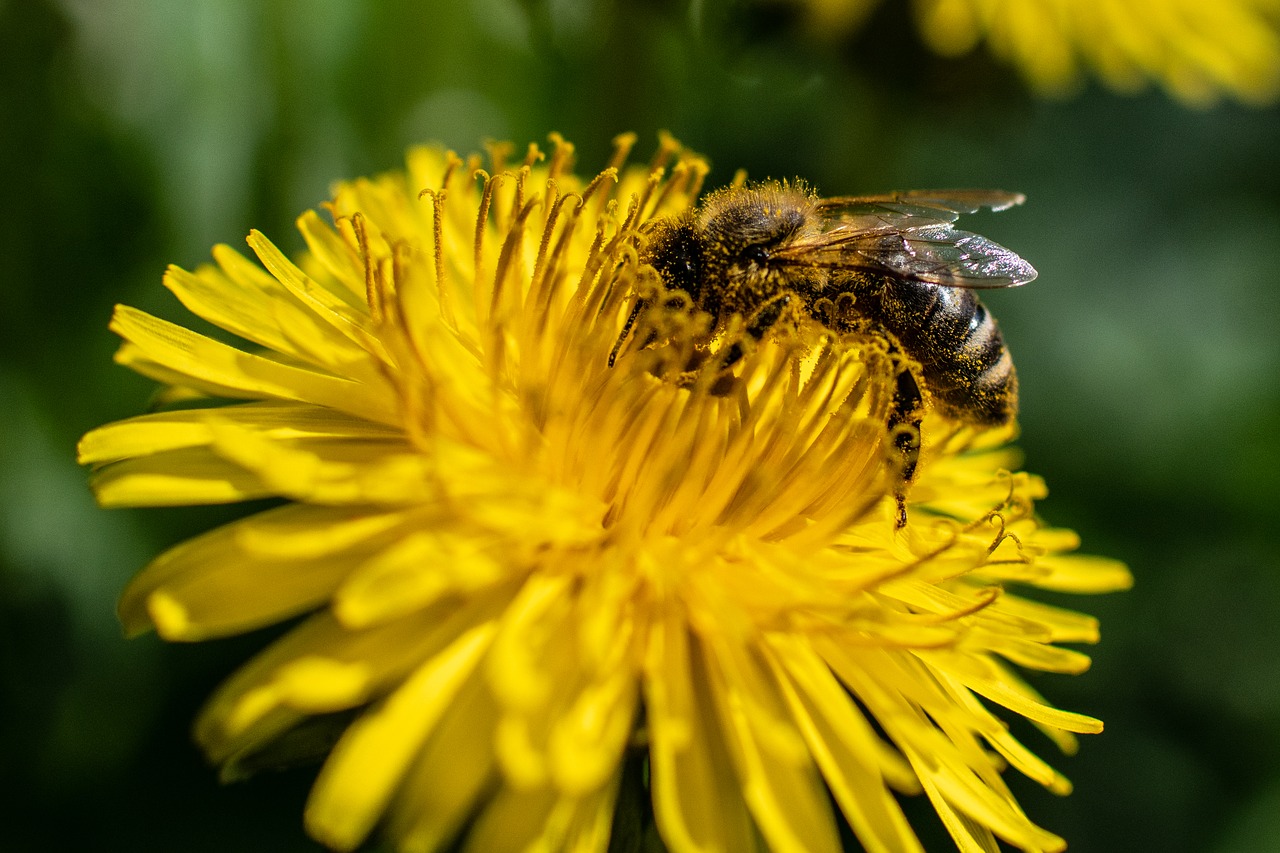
(743, 225)
(719, 254)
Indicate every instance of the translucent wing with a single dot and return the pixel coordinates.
(910, 235)
(914, 208)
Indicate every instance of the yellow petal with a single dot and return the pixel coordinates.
(161, 431)
(329, 472)
(202, 607)
(334, 254)
(852, 759)
(1081, 573)
(453, 770)
(175, 355)
(343, 311)
(196, 589)
(1002, 689)
(176, 478)
(779, 781)
(542, 821)
(252, 312)
(969, 836)
(571, 736)
(1033, 655)
(414, 572)
(697, 800)
(246, 708)
(1056, 624)
(360, 778)
(961, 789)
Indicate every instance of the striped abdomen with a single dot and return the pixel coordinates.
(963, 359)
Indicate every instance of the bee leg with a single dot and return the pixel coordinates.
(640, 305)
(760, 322)
(905, 416)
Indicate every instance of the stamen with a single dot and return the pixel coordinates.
(988, 597)
(371, 295)
(1001, 535)
(995, 516)
(555, 265)
(638, 202)
(452, 162)
(395, 274)
(906, 569)
(679, 173)
(550, 200)
(498, 152)
(604, 295)
(561, 155)
(667, 146)
(533, 154)
(517, 201)
(1011, 499)
(437, 249)
(590, 269)
(412, 384)
(622, 145)
(609, 174)
(510, 246)
(536, 294)
(698, 171)
(482, 218)
(384, 284)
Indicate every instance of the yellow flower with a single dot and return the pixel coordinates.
(1198, 51)
(521, 571)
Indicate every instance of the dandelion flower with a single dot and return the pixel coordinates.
(516, 573)
(1197, 51)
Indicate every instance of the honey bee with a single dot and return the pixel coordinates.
(892, 266)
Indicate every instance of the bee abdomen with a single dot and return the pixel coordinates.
(962, 355)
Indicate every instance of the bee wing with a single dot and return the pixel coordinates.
(914, 208)
(934, 253)
(910, 234)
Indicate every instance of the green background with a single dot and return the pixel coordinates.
(134, 134)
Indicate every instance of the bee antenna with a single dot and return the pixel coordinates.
(626, 330)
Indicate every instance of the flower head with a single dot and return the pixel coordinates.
(1197, 51)
(521, 570)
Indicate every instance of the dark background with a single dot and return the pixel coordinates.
(135, 134)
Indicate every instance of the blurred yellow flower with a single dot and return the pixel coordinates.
(1197, 50)
(520, 570)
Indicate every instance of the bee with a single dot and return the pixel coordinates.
(892, 266)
